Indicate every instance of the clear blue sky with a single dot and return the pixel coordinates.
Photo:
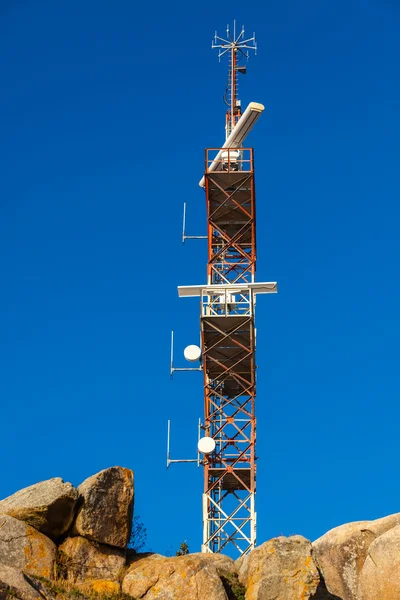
(105, 111)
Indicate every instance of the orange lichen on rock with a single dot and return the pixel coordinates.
(281, 568)
(194, 576)
(24, 548)
(83, 560)
(100, 586)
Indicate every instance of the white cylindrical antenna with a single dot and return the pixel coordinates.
(237, 136)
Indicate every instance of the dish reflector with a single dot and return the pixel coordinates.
(192, 353)
(206, 445)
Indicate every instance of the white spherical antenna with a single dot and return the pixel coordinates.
(206, 445)
(192, 353)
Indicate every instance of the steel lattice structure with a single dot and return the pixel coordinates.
(228, 335)
(228, 350)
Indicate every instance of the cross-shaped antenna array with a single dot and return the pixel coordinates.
(234, 42)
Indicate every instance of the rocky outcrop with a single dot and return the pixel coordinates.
(80, 561)
(48, 506)
(340, 554)
(380, 575)
(105, 515)
(281, 568)
(195, 576)
(357, 561)
(22, 547)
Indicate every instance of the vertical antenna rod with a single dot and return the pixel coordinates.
(237, 47)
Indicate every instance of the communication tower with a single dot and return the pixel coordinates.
(227, 435)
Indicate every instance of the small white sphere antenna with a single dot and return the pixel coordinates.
(192, 353)
(206, 445)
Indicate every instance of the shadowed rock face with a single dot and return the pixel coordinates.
(194, 577)
(340, 554)
(82, 561)
(323, 594)
(281, 568)
(105, 514)
(48, 506)
(380, 575)
(25, 549)
(12, 580)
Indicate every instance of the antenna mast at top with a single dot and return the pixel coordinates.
(237, 47)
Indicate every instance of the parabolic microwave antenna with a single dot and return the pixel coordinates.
(206, 445)
(192, 353)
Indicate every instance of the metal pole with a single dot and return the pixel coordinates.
(172, 354)
(168, 441)
(184, 223)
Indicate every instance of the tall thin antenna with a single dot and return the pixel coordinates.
(238, 48)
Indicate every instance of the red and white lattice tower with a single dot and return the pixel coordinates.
(227, 323)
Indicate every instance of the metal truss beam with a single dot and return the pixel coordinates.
(228, 350)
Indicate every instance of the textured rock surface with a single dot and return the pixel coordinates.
(340, 553)
(81, 560)
(107, 505)
(24, 548)
(132, 557)
(194, 577)
(48, 506)
(380, 576)
(282, 568)
(13, 583)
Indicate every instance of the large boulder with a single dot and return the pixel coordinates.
(380, 575)
(105, 515)
(281, 568)
(341, 552)
(14, 584)
(81, 561)
(23, 547)
(194, 577)
(48, 506)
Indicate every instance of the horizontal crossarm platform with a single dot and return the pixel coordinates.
(269, 287)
